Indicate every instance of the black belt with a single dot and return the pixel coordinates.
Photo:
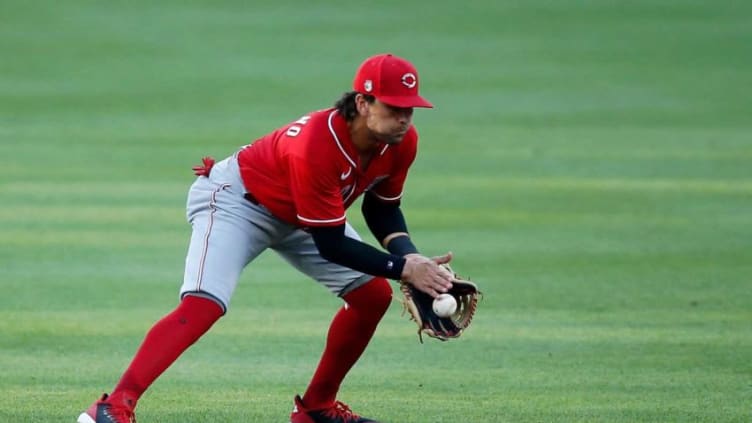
(248, 196)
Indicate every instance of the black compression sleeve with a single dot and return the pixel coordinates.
(334, 246)
(401, 246)
(384, 219)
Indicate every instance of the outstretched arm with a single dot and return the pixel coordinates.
(335, 246)
(424, 273)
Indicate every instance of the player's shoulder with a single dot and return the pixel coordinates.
(313, 124)
(311, 135)
(317, 117)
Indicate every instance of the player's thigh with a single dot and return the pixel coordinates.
(224, 239)
(300, 250)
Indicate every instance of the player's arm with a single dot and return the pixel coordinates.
(387, 224)
(422, 272)
(335, 246)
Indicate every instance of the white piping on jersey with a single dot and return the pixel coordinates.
(347, 197)
(321, 220)
(383, 150)
(336, 139)
(386, 198)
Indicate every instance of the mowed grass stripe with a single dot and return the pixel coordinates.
(595, 184)
(79, 237)
(75, 214)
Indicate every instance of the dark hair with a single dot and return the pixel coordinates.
(346, 104)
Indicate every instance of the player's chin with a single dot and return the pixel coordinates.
(395, 138)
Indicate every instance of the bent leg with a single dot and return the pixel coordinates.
(366, 300)
(349, 334)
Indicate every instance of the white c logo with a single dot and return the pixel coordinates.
(409, 80)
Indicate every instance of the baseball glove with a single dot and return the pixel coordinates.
(420, 306)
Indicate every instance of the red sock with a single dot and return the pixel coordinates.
(349, 334)
(164, 343)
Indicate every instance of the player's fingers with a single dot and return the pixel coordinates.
(442, 284)
(443, 259)
(446, 274)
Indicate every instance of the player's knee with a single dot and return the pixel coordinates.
(201, 308)
(376, 295)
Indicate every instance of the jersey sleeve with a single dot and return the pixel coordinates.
(315, 191)
(390, 189)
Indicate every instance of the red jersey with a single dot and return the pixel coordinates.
(308, 172)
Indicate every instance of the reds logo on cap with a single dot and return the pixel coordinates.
(409, 80)
(391, 79)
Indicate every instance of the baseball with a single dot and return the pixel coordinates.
(444, 305)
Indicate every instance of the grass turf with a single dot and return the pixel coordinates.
(589, 163)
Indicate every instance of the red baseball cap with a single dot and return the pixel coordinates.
(391, 79)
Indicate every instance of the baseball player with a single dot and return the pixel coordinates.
(288, 191)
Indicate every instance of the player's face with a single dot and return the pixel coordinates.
(388, 123)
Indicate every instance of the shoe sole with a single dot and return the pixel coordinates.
(85, 418)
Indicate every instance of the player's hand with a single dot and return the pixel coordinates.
(426, 275)
(443, 259)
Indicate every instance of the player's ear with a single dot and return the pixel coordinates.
(361, 104)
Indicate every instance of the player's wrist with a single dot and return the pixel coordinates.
(401, 245)
(407, 269)
(399, 269)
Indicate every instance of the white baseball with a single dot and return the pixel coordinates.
(444, 305)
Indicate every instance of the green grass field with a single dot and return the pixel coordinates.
(588, 162)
